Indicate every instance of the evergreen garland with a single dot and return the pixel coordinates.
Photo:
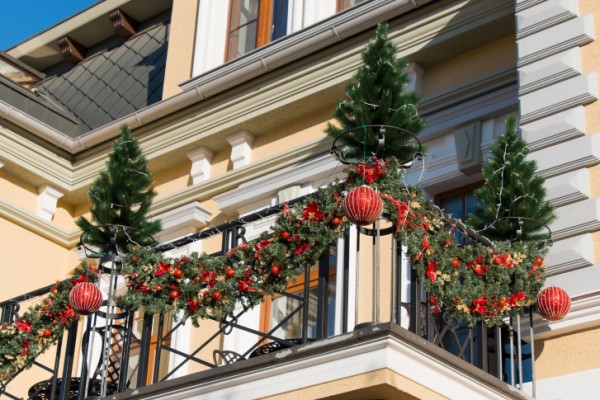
(121, 195)
(512, 190)
(378, 96)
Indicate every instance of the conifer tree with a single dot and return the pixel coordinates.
(378, 96)
(512, 190)
(121, 195)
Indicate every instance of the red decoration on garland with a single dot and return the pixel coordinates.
(85, 298)
(553, 303)
(362, 205)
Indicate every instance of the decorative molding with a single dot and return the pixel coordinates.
(32, 223)
(549, 71)
(476, 88)
(241, 148)
(568, 188)
(578, 385)
(2, 164)
(554, 129)
(570, 254)
(123, 24)
(524, 4)
(568, 156)
(468, 148)
(201, 164)
(573, 92)
(46, 203)
(415, 76)
(572, 33)
(268, 185)
(182, 221)
(71, 51)
(576, 218)
(545, 15)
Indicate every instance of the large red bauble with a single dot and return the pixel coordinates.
(85, 298)
(553, 303)
(362, 205)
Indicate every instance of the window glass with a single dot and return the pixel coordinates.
(459, 204)
(283, 306)
(243, 27)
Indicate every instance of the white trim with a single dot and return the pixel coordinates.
(47, 202)
(572, 33)
(568, 188)
(182, 221)
(570, 254)
(576, 218)
(306, 172)
(415, 76)
(570, 93)
(549, 71)
(545, 15)
(574, 154)
(201, 164)
(211, 35)
(364, 356)
(555, 128)
(580, 385)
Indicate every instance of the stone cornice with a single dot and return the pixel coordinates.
(20, 217)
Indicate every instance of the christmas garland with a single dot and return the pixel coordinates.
(472, 282)
(40, 326)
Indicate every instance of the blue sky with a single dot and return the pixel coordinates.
(25, 18)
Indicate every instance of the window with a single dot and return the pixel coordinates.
(276, 309)
(249, 26)
(344, 4)
(459, 204)
(254, 23)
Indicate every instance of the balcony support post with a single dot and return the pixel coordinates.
(145, 350)
(68, 362)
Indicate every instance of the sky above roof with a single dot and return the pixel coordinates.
(23, 19)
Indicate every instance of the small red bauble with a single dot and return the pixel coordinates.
(285, 235)
(216, 295)
(174, 295)
(362, 205)
(336, 221)
(230, 272)
(553, 303)
(46, 333)
(539, 260)
(178, 273)
(455, 263)
(275, 270)
(85, 298)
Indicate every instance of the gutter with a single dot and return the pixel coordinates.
(260, 62)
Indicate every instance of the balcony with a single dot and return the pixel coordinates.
(355, 325)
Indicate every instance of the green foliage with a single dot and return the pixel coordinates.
(121, 195)
(378, 96)
(512, 190)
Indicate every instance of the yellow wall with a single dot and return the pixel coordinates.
(467, 66)
(567, 354)
(590, 54)
(181, 46)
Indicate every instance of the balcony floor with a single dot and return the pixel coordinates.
(383, 362)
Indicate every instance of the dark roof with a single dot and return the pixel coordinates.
(114, 82)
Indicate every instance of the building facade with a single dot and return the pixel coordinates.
(229, 100)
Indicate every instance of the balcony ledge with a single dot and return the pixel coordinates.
(386, 360)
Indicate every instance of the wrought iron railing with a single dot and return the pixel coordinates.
(138, 357)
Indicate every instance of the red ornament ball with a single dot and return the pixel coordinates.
(174, 295)
(178, 273)
(553, 303)
(230, 272)
(46, 333)
(362, 205)
(285, 235)
(216, 295)
(85, 298)
(275, 269)
(336, 221)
